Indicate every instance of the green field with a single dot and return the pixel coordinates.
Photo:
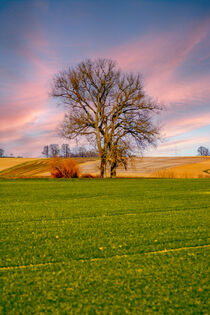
(124, 246)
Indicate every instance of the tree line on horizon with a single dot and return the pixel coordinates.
(54, 150)
(203, 151)
(3, 155)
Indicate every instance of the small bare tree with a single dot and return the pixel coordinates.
(107, 105)
(45, 151)
(203, 151)
(54, 150)
(65, 150)
(1, 152)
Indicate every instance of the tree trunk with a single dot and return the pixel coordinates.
(113, 169)
(103, 168)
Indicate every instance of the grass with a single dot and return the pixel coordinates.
(104, 246)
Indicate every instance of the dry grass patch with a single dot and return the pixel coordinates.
(194, 170)
(30, 168)
(10, 162)
(143, 166)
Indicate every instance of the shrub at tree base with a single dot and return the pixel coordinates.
(87, 175)
(64, 168)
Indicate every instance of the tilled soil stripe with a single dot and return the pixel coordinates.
(100, 258)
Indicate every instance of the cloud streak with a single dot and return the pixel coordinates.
(183, 125)
(179, 147)
(26, 99)
(158, 56)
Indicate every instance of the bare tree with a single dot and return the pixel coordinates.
(203, 151)
(54, 150)
(1, 153)
(107, 105)
(65, 150)
(46, 151)
(83, 152)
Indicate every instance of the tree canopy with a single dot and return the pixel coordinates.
(108, 107)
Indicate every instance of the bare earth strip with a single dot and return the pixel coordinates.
(10, 162)
(102, 258)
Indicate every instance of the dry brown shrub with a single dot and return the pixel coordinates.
(185, 175)
(86, 175)
(165, 174)
(63, 168)
(203, 176)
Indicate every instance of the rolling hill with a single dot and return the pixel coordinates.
(172, 167)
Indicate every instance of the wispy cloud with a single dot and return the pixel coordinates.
(158, 56)
(26, 99)
(187, 146)
(186, 124)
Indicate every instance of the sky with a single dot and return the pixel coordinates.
(167, 41)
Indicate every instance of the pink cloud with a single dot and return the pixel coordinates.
(192, 91)
(26, 99)
(179, 147)
(158, 57)
(162, 52)
(179, 126)
(27, 102)
(183, 142)
(28, 138)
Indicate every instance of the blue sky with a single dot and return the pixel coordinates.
(167, 41)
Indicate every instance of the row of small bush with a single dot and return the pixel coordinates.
(172, 174)
(65, 168)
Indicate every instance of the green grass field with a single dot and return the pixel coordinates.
(124, 246)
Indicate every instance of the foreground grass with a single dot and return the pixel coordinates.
(102, 246)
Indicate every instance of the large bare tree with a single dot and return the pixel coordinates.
(107, 105)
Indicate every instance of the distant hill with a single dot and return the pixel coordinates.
(177, 167)
(28, 167)
(172, 167)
